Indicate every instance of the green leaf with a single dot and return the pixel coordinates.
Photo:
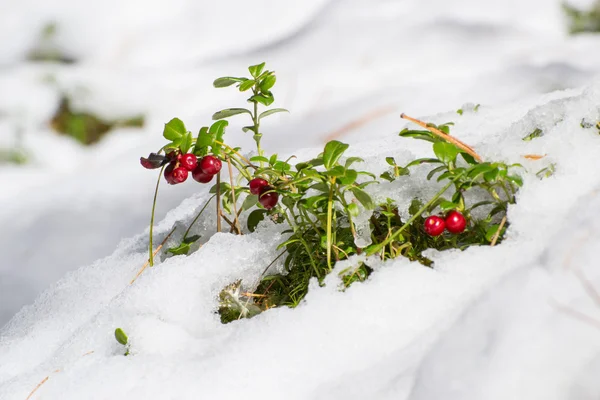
(516, 179)
(265, 99)
(352, 160)
(174, 129)
(447, 206)
(255, 70)
(281, 166)
(267, 83)
(446, 152)
(203, 141)
(415, 205)
(248, 128)
(321, 187)
(273, 159)
(459, 111)
(271, 112)
(227, 81)
(387, 176)
(224, 187)
(435, 171)
(363, 197)
(491, 175)
(249, 202)
(191, 239)
(246, 85)
(181, 249)
(185, 142)
(491, 231)
(332, 153)
(259, 159)
(336, 171)
(420, 161)
(229, 112)
(535, 134)
(254, 219)
(469, 158)
(121, 336)
(353, 209)
(422, 135)
(391, 161)
(348, 178)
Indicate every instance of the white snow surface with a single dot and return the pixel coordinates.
(486, 323)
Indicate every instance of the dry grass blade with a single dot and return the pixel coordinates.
(154, 254)
(48, 377)
(466, 148)
(497, 234)
(534, 156)
(364, 119)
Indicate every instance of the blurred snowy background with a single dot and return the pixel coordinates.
(64, 205)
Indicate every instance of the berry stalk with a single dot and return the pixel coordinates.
(150, 246)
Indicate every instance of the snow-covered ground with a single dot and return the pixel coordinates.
(485, 323)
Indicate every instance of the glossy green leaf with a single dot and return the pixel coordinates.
(246, 85)
(121, 336)
(185, 142)
(353, 209)
(363, 197)
(271, 112)
(348, 178)
(267, 83)
(264, 99)
(254, 219)
(229, 112)
(255, 70)
(445, 152)
(181, 249)
(332, 153)
(227, 81)
(420, 161)
(174, 129)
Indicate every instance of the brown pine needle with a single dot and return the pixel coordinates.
(466, 148)
(534, 156)
(154, 255)
(357, 123)
(497, 234)
(48, 377)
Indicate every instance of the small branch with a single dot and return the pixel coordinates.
(466, 148)
(497, 234)
(154, 254)
(236, 220)
(236, 152)
(231, 224)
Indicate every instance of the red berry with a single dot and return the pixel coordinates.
(434, 225)
(257, 184)
(188, 161)
(200, 176)
(169, 174)
(180, 174)
(268, 198)
(455, 222)
(210, 165)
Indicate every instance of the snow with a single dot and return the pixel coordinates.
(484, 323)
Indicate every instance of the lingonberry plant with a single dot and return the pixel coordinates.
(323, 202)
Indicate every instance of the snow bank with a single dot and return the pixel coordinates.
(366, 342)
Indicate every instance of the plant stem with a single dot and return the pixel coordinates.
(198, 216)
(150, 246)
(236, 220)
(329, 217)
(219, 201)
(376, 249)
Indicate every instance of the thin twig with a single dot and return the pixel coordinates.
(357, 123)
(576, 314)
(154, 254)
(231, 224)
(587, 285)
(236, 220)
(497, 234)
(273, 262)
(468, 149)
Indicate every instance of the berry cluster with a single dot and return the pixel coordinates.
(267, 196)
(180, 166)
(455, 223)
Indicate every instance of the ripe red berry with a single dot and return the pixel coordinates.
(169, 174)
(257, 184)
(180, 174)
(188, 161)
(210, 165)
(200, 176)
(434, 225)
(268, 198)
(455, 222)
